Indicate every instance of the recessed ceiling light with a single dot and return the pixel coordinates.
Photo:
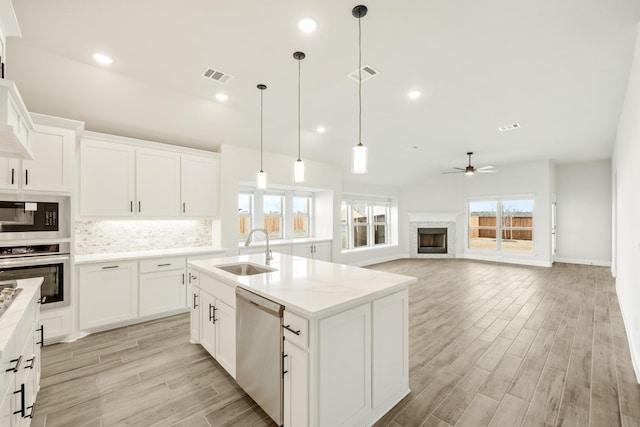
(413, 147)
(509, 127)
(321, 129)
(414, 94)
(221, 97)
(102, 59)
(307, 25)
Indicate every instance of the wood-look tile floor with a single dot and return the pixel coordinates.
(490, 345)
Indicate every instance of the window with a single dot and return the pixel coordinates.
(301, 210)
(244, 213)
(364, 223)
(513, 232)
(273, 217)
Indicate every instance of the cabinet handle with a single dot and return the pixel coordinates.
(26, 177)
(13, 176)
(30, 413)
(33, 362)
(288, 328)
(41, 329)
(283, 370)
(213, 318)
(189, 277)
(184, 207)
(212, 312)
(164, 265)
(131, 206)
(183, 278)
(22, 408)
(139, 206)
(195, 301)
(110, 267)
(17, 361)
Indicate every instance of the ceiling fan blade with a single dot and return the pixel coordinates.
(486, 171)
(485, 168)
(461, 171)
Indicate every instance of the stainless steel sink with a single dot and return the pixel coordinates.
(245, 269)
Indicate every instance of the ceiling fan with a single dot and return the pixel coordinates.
(470, 170)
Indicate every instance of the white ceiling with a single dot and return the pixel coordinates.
(559, 68)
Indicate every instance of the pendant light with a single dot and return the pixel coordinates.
(359, 152)
(298, 166)
(261, 177)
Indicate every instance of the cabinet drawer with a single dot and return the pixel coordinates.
(218, 289)
(293, 322)
(162, 264)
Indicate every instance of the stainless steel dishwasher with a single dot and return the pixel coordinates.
(259, 351)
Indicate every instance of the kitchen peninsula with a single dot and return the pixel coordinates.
(345, 356)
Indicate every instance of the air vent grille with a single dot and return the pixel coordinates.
(217, 75)
(509, 127)
(367, 72)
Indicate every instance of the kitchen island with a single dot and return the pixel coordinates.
(345, 332)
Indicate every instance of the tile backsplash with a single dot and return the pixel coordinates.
(96, 237)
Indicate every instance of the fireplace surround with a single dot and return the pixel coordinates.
(437, 245)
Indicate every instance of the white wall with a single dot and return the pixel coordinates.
(626, 176)
(241, 164)
(584, 212)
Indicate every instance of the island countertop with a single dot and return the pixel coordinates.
(11, 318)
(308, 287)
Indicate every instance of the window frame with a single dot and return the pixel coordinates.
(370, 225)
(249, 215)
(309, 198)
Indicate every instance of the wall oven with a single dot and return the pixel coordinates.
(48, 261)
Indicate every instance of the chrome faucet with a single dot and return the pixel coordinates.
(266, 236)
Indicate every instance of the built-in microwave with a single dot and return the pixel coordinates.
(19, 216)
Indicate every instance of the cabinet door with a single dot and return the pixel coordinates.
(322, 251)
(345, 390)
(107, 179)
(207, 325)
(6, 413)
(157, 183)
(296, 386)
(108, 293)
(54, 162)
(390, 346)
(303, 250)
(162, 292)
(195, 315)
(200, 178)
(226, 337)
(9, 173)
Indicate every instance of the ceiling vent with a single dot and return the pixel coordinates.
(509, 127)
(367, 72)
(216, 75)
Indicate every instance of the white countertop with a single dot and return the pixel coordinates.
(308, 287)
(261, 243)
(123, 256)
(10, 318)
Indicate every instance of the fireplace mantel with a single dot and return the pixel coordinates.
(433, 216)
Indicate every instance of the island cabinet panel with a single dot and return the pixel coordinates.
(390, 348)
(108, 293)
(207, 324)
(344, 371)
(226, 337)
(296, 385)
(194, 301)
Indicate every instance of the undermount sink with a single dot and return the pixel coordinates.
(245, 269)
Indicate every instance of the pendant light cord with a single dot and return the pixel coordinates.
(261, 93)
(359, 81)
(299, 110)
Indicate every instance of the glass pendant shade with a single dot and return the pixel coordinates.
(261, 180)
(298, 171)
(359, 159)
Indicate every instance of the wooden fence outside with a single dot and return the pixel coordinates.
(490, 221)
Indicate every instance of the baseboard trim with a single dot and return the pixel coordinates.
(372, 261)
(598, 262)
(521, 261)
(635, 357)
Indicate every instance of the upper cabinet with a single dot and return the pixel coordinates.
(121, 179)
(51, 171)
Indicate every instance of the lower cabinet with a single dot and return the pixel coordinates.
(162, 291)
(217, 323)
(320, 250)
(296, 385)
(108, 293)
(194, 299)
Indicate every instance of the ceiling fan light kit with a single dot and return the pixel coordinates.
(261, 176)
(298, 166)
(359, 154)
(469, 170)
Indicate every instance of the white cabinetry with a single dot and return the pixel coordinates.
(200, 185)
(194, 298)
(157, 183)
(108, 293)
(124, 178)
(15, 123)
(320, 250)
(52, 169)
(296, 386)
(217, 327)
(162, 285)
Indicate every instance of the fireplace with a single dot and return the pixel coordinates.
(432, 240)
